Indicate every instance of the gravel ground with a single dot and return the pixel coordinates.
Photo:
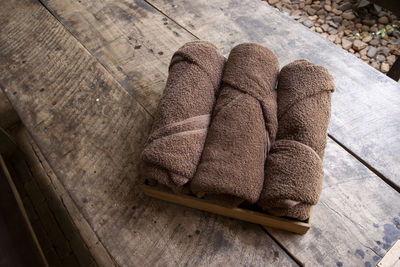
(369, 32)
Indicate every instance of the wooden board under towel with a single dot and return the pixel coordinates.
(294, 226)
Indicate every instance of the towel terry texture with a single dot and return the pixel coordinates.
(173, 149)
(243, 127)
(294, 170)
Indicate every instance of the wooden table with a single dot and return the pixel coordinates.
(85, 78)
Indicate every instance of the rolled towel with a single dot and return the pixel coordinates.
(173, 149)
(243, 128)
(294, 170)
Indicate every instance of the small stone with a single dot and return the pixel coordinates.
(396, 51)
(367, 39)
(316, 7)
(295, 14)
(273, 2)
(385, 67)
(375, 65)
(382, 13)
(365, 58)
(357, 55)
(338, 40)
(358, 26)
(320, 21)
(313, 18)
(348, 15)
(332, 38)
(351, 50)
(365, 28)
(346, 44)
(337, 11)
(384, 42)
(321, 12)
(328, 8)
(345, 6)
(380, 58)
(363, 52)
(319, 30)
(310, 11)
(332, 31)
(373, 28)
(324, 34)
(302, 5)
(374, 42)
(325, 27)
(372, 51)
(347, 32)
(384, 50)
(358, 45)
(337, 19)
(345, 23)
(332, 24)
(312, 28)
(383, 20)
(308, 23)
(391, 59)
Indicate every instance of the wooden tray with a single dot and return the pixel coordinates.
(294, 226)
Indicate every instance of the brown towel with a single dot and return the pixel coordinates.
(173, 149)
(294, 171)
(243, 127)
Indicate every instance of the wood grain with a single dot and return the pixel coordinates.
(356, 220)
(365, 106)
(120, 34)
(326, 218)
(66, 236)
(91, 131)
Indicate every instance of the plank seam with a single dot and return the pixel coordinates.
(293, 257)
(87, 50)
(171, 19)
(366, 164)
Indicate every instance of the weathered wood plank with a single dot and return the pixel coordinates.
(44, 196)
(356, 221)
(92, 131)
(317, 256)
(365, 107)
(353, 233)
(119, 34)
